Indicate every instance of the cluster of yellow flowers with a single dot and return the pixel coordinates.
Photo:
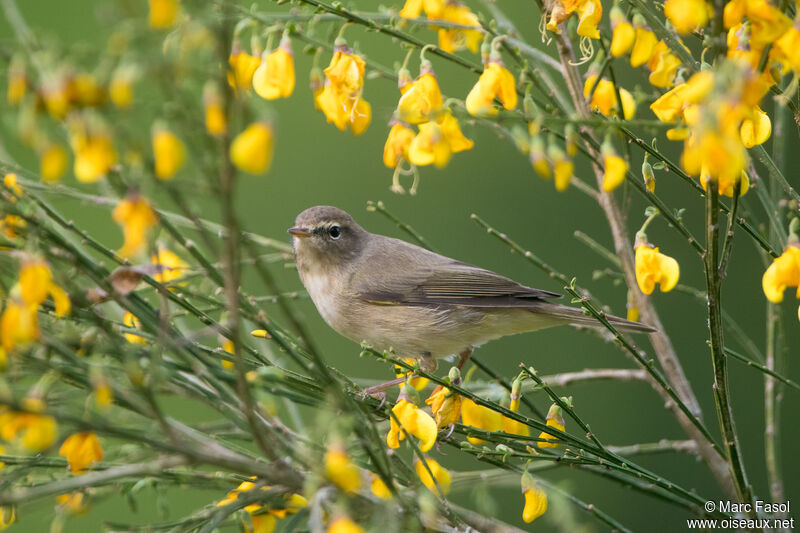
(29, 429)
(262, 520)
(451, 39)
(19, 323)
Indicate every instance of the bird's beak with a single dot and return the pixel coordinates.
(301, 233)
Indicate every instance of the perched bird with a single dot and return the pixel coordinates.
(395, 295)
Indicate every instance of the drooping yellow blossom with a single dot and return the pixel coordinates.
(103, 395)
(130, 320)
(538, 157)
(412, 420)
(590, 12)
(251, 150)
(52, 162)
(344, 525)
(229, 347)
(663, 65)
(94, 155)
(755, 130)
(604, 98)
(726, 184)
(715, 151)
(555, 419)
(396, 149)
(34, 432)
(377, 486)
(654, 267)
(86, 91)
(341, 470)
(445, 405)
(452, 132)
(615, 168)
(430, 146)
(623, 34)
(17, 81)
(495, 82)
(440, 474)
(168, 152)
(510, 425)
(136, 217)
(346, 71)
(339, 97)
(413, 8)
(786, 49)
(72, 503)
(216, 123)
(275, 77)
(242, 66)
(421, 99)
(36, 283)
(8, 515)
(766, 24)
(454, 39)
(81, 450)
(535, 499)
(163, 13)
(563, 167)
(120, 88)
(18, 324)
(479, 417)
(173, 267)
(671, 105)
(784, 272)
(687, 15)
(644, 44)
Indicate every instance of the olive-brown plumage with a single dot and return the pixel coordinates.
(395, 295)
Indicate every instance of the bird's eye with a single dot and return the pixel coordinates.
(335, 232)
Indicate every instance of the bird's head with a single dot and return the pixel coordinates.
(327, 235)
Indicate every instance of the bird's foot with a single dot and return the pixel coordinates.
(464, 357)
(377, 391)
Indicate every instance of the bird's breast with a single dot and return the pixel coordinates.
(323, 292)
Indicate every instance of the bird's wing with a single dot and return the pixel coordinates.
(432, 279)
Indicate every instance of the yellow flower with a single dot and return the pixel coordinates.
(755, 130)
(242, 67)
(168, 153)
(671, 105)
(535, 500)
(429, 146)
(589, 14)
(81, 450)
(94, 156)
(339, 97)
(782, 273)
(216, 123)
(264, 522)
(421, 100)
(726, 183)
(8, 515)
(538, 157)
(341, 470)
(18, 325)
(479, 417)
(445, 405)
(251, 150)
(495, 82)
(344, 525)
(36, 283)
(275, 78)
(687, 15)
(346, 71)
(417, 382)
(512, 426)
(163, 13)
(654, 267)
(17, 81)
(453, 39)
(378, 487)
(52, 162)
(131, 321)
(72, 502)
(786, 48)
(623, 34)
(396, 148)
(35, 432)
(103, 395)
(644, 44)
(715, 151)
(604, 98)
(555, 419)
(136, 217)
(452, 132)
(413, 421)
(440, 474)
(563, 167)
(663, 65)
(120, 88)
(615, 169)
(85, 90)
(173, 267)
(413, 8)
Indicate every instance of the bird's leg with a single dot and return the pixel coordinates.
(426, 363)
(464, 357)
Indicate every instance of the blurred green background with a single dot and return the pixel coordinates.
(317, 164)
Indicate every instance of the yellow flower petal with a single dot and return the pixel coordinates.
(440, 474)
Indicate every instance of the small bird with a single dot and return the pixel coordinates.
(395, 295)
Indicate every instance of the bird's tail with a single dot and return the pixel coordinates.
(576, 317)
